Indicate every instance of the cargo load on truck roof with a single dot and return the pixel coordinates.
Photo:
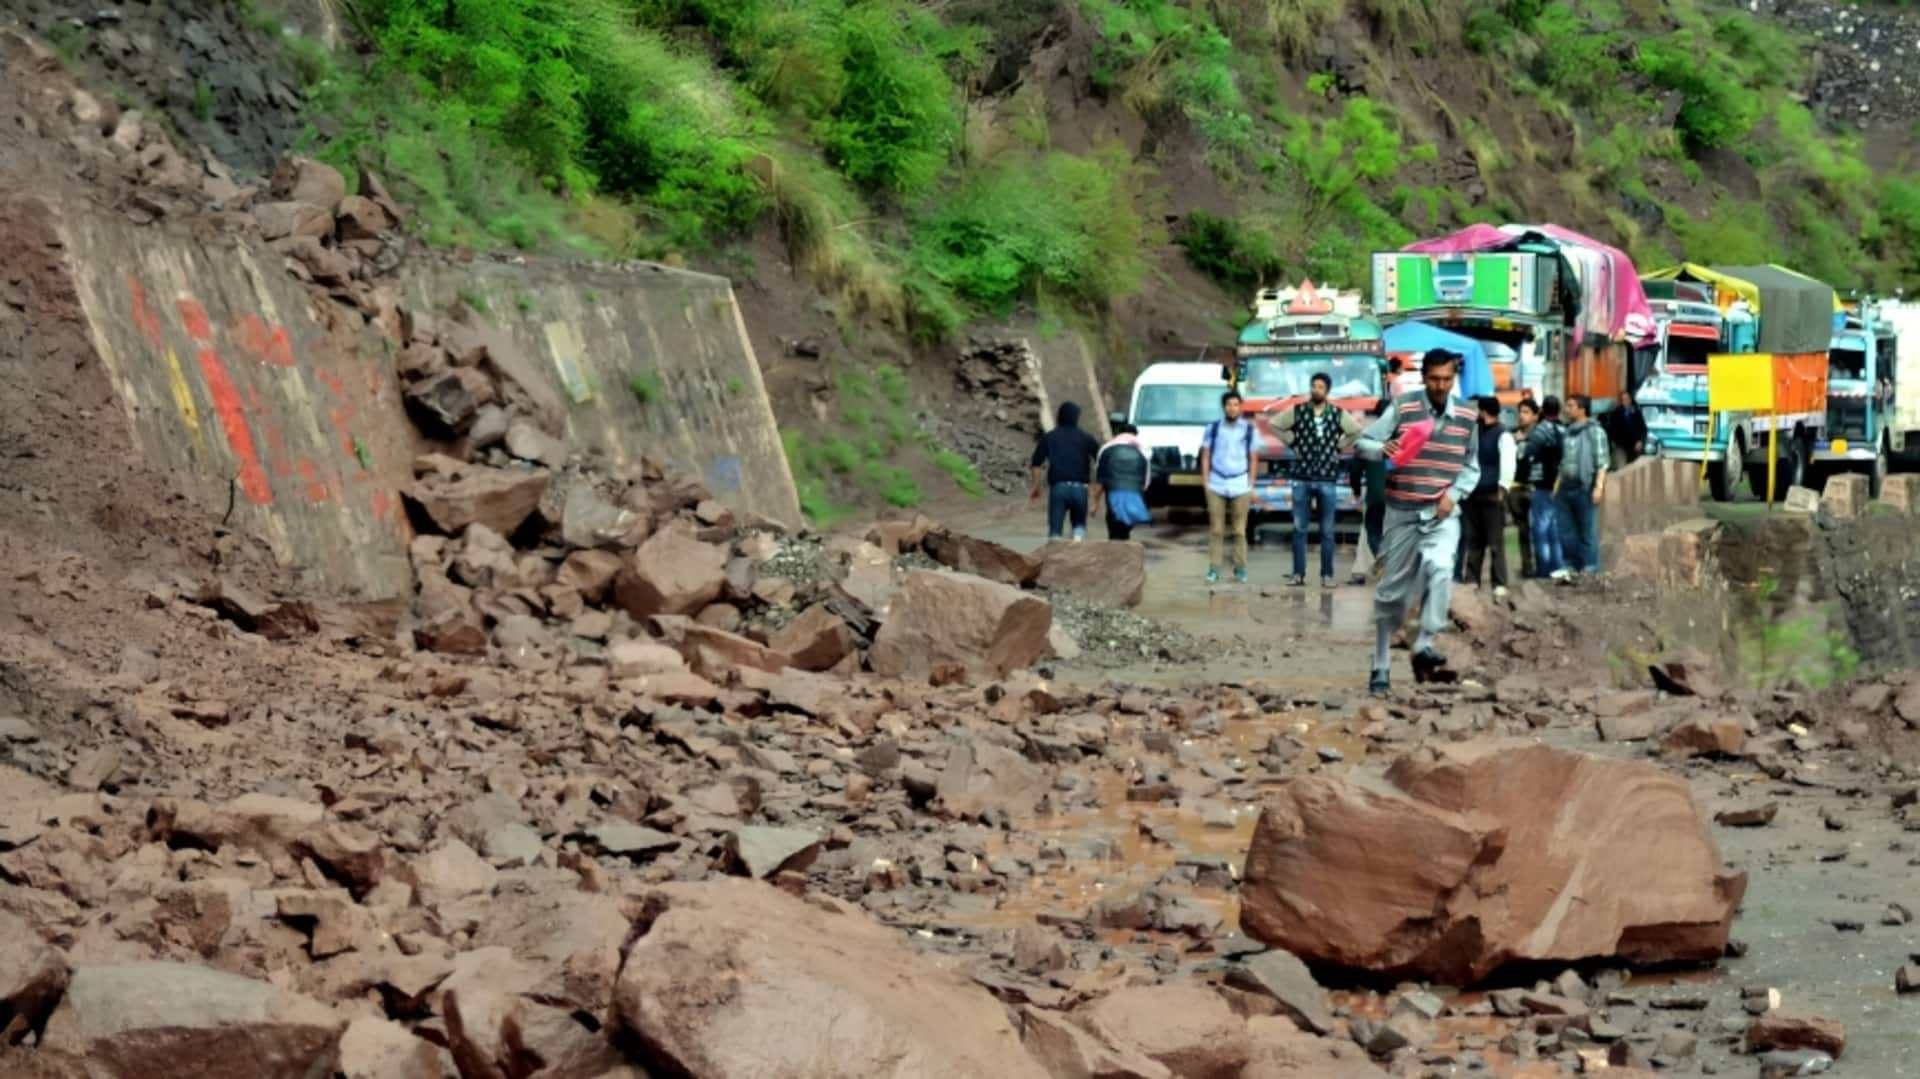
(1795, 312)
(1607, 299)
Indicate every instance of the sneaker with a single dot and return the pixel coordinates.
(1240, 576)
(1500, 592)
(1380, 684)
(1297, 580)
(1213, 575)
(1561, 574)
(1357, 579)
(1329, 582)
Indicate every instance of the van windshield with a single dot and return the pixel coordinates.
(1176, 405)
(1353, 376)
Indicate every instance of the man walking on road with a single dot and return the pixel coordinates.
(1580, 488)
(1486, 509)
(1318, 433)
(1120, 480)
(1227, 456)
(1430, 439)
(1064, 456)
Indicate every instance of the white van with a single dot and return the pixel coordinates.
(1172, 404)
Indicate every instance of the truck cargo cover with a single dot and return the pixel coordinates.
(1795, 311)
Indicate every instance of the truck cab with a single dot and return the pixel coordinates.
(1172, 403)
(1673, 396)
(1860, 363)
(1294, 335)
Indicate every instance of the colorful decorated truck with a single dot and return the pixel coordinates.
(1558, 311)
(1870, 422)
(1294, 335)
(1767, 310)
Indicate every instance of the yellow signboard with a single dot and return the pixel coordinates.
(1740, 382)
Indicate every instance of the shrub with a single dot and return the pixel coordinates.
(1230, 250)
(895, 122)
(1715, 109)
(1060, 224)
(960, 470)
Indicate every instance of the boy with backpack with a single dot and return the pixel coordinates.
(1228, 453)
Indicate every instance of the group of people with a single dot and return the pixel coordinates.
(1442, 479)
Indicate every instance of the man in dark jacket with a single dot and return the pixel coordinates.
(1064, 459)
(1626, 432)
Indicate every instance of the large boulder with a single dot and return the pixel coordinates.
(1113, 574)
(176, 1021)
(1184, 1026)
(982, 558)
(32, 977)
(1501, 853)
(815, 641)
(671, 573)
(456, 495)
(942, 619)
(733, 979)
(1279, 1050)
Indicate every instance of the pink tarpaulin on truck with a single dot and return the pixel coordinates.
(1612, 302)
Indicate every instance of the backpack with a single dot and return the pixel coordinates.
(1212, 440)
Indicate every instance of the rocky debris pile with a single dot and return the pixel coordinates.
(1869, 70)
(1119, 640)
(1002, 375)
(1491, 837)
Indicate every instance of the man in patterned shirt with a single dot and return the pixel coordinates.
(1318, 433)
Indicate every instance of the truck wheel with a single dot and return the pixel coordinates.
(1724, 476)
(1877, 475)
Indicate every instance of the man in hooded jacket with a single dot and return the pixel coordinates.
(1064, 458)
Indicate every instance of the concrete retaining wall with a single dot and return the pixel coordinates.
(596, 329)
(1646, 496)
(230, 384)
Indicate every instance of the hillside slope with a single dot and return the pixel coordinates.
(885, 178)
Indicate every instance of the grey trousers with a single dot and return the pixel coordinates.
(1418, 552)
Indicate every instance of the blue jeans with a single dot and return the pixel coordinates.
(1065, 499)
(1580, 527)
(1543, 520)
(1304, 491)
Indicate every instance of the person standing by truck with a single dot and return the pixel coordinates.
(1626, 432)
(1520, 491)
(1545, 444)
(1120, 480)
(1485, 520)
(1581, 485)
(1318, 433)
(1227, 454)
(1064, 457)
(1429, 438)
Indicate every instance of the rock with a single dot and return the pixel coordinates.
(817, 640)
(982, 558)
(361, 218)
(1846, 496)
(382, 1049)
(712, 992)
(339, 925)
(1750, 817)
(449, 402)
(714, 653)
(1634, 727)
(1280, 975)
(529, 443)
(32, 977)
(301, 179)
(1491, 835)
(629, 839)
(452, 633)
(322, 264)
(1183, 1025)
(494, 826)
(500, 498)
(1061, 645)
(591, 573)
(938, 619)
(1789, 1030)
(760, 851)
(1068, 1051)
(672, 573)
(898, 536)
(1703, 736)
(279, 220)
(452, 871)
(1907, 978)
(587, 520)
(1473, 612)
(1279, 1050)
(174, 1020)
(634, 658)
(1108, 573)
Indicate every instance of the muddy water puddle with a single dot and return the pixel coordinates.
(1121, 848)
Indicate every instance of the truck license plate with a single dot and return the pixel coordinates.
(1184, 479)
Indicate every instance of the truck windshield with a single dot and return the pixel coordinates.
(1292, 376)
(1689, 352)
(1847, 363)
(1176, 405)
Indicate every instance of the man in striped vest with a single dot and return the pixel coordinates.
(1429, 441)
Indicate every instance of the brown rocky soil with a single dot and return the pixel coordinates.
(632, 788)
